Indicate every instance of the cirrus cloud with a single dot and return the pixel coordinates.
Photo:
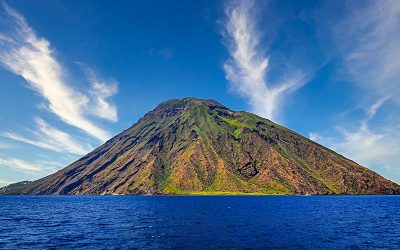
(21, 165)
(31, 57)
(367, 40)
(248, 65)
(48, 137)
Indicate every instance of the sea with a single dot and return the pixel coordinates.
(199, 222)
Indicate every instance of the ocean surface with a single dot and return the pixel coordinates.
(199, 222)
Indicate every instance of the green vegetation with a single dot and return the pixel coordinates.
(182, 192)
(233, 122)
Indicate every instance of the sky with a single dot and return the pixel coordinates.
(75, 73)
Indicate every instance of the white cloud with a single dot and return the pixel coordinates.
(40, 167)
(48, 137)
(373, 109)
(99, 92)
(368, 146)
(21, 165)
(247, 68)
(31, 57)
(378, 149)
(368, 40)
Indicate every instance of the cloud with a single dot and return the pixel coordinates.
(248, 65)
(366, 146)
(378, 149)
(373, 109)
(368, 39)
(17, 164)
(39, 167)
(4, 145)
(25, 54)
(48, 137)
(100, 91)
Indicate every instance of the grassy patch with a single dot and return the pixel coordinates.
(233, 122)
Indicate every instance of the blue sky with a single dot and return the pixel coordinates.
(75, 73)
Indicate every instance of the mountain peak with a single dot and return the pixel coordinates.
(192, 101)
(178, 106)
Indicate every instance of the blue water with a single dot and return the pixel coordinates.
(326, 222)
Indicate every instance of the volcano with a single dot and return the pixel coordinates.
(195, 146)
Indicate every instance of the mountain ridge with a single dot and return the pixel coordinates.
(197, 146)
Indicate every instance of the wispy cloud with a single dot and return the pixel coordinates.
(48, 137)
(38, 166)
(378, 150)
(4, 145)
(248, 65)
(373, 109)
(368, 40)
(18, 164)
(375, 148)
(363, 145)
(100, 91)
(32, 57)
